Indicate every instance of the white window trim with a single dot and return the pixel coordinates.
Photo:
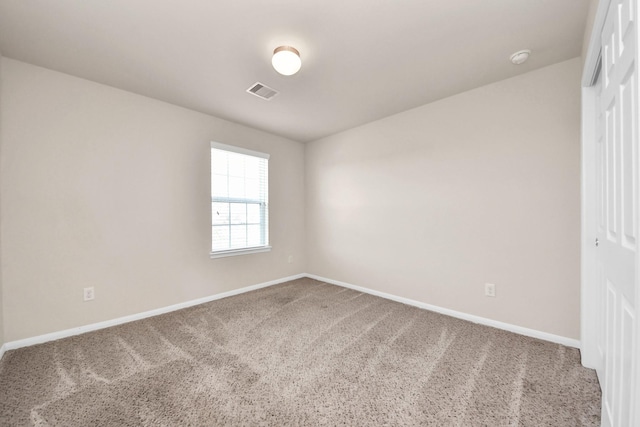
(241, 251)
(234, 252)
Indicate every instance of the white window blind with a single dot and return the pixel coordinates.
(239, 200)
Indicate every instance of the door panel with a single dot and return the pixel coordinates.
(601, 315)
(629, 169)
(627, 328)
(608, 392)
(610, 174)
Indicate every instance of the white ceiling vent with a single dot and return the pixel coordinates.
(262, 91)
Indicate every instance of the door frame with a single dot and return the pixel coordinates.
(590, 355)
(588, 286)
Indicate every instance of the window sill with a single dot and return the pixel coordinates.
(234, 252)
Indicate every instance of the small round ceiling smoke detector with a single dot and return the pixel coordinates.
(520, 56)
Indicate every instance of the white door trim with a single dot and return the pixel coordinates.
(588, 299)
(590, 355)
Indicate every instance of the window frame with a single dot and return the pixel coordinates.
(264, 204)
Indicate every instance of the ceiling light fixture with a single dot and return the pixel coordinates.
(520, 56)
(286, 60)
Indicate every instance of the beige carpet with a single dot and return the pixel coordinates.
(303, 353)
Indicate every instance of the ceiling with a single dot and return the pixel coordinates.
(361, 59)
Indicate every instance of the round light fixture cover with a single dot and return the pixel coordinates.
(286, 60)
(520, 56)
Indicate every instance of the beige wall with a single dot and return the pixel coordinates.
(105, 188)
(432, 203)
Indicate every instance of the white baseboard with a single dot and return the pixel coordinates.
(12, 345)
(569, 342)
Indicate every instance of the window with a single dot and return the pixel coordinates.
(239, 201)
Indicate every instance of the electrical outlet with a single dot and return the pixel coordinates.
(89, 294)
(490, 289)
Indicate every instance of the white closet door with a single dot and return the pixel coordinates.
(617, 216)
